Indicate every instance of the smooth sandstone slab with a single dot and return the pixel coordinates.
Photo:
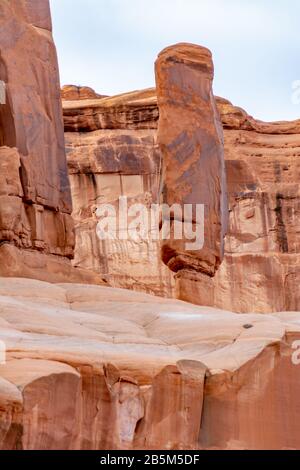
(91, 367)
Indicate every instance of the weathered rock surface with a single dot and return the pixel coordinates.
(35, 191)
(190, 137)
(35, 196)
(31, 119)
(104, 165)
(136, 110)
(126, 370)
(260, 271)
(75, 93)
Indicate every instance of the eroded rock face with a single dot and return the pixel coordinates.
(35, 196)
(35, 201)
(31, 119)
(75, 93)
(104, 165)
(126, 370)
(136, 110)
(137, 164)
(190, 137)
(260, 271)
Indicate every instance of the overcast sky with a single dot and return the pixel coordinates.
(111, 45)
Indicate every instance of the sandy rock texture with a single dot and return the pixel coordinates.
(260, 270)
(35, 201)
(75, 93)
(105, 164)
(36, 228)
(190, 138)
(132, 371)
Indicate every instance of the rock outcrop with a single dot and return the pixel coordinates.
(105, 164)
(35, 197)
(126, 370)
(260, 271)
(76, 93)
(190, 138)
(136, 110)
(89, 367)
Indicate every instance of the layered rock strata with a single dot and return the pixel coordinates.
(260, 271)
(135, 110)
(104, 165)
(127, 370)
(75, 93)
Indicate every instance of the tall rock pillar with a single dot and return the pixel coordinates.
(36, 228)
(190, 137)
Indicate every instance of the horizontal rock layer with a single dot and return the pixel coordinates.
(145, 101)
(136, 110)
(75, 93)
(126, 370)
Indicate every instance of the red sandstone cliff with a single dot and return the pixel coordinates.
(91, 367)
(260, 271)
(36, 227)
(119, 158)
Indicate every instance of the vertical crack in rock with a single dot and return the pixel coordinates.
(281, 230)
(174, 408)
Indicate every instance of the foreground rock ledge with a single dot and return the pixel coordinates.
(90, 367)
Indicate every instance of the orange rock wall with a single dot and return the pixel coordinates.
(35, 198)
(260, 271)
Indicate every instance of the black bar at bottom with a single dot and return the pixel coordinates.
(134, 459)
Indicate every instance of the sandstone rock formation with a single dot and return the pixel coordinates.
(136, 110)
(35, 197)
(105, 164)
(75, 93)
(92, 367)
(260, 271)
(34, 176)
(130, 371)
(190, 137)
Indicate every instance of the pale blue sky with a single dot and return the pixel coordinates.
(111, 45)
